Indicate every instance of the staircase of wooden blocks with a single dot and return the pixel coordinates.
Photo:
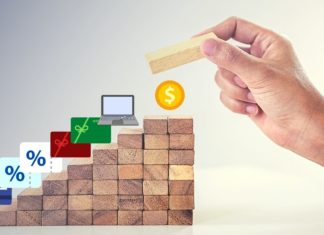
(145, 179)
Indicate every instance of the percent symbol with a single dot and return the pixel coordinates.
(41, 161)
(15, 173)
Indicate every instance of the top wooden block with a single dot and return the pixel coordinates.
(178, 54)
(80, 169)
(55, 184)
(130, 138)
(155, 124)
(105, 154)
(180, 124)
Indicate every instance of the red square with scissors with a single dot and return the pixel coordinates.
(62, 147)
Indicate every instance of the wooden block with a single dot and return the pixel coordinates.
(130, 172)
(104, 217)
(178, 54)
(80, 187)
(155, 124)
(8, 214)
(130, 138)
(30, 200)
(80, 169)
(105, 154)
(181, 202)
(130, 187)
(29, 218)
(105, 202)
(155, 217)
(155, 187)
(156, 203)
(183, 217)
(156, 157)
(130, 156)
(55, 184)
(182, 141)
(130, 217)
(80, 202)
(105, 187)
(80, 217)
(54, 218)
(156, 172)
(156, 141)
(181, 172)
(55, 202)
(131, 203)
(181, 157)
(181, 187)
(105, 172)
(180, 124)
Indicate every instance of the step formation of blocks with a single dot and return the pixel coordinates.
(147, 178)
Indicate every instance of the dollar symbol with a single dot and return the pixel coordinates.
(168, 93)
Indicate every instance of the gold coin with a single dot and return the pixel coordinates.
(169, 95)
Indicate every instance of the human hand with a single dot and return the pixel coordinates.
(266, 82)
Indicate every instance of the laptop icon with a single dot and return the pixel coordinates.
(118, 110)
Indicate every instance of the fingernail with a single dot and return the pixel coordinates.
(208, 47)
(251, 109)
(250, 97)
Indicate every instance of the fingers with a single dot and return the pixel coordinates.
(238, 106)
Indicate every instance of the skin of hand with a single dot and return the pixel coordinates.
(266, 82)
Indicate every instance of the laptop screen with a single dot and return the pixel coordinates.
(117, 105)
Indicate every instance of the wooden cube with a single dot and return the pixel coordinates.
(156, 203)
(155, 187)
(156, 172)
(29, 218)
(130, 138)
(104, 217)
(155, 124)
(181, 172)
(105, 172)
(130, 187)
(180, 124)
(130, 172)
(80, 169)
(30, 200)
(105, 154)
(80, 217)
(131, 202)
(156, 157)
(130, 217)
(105, 187)
(80, 202)
(181, 187)
(8, 214)
(80, 187)
(130, 156)
(59, 202)
(181, 157)
(55, 184)
(105, 202)
(182, 141)
(181, 202)
(155, 217)
(54, 218)
(180, 217)
(156, 141)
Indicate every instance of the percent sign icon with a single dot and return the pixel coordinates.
(15, 173)
(30, 155)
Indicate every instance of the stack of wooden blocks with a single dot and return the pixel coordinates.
(145, 179)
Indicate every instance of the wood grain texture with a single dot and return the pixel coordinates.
(182, 141)
(80, 187)
(178, 54)
(156, 203)
(29, 218)
(130, 217)
(105, 202)
(54, 218)
(130, 187)
(156, 157)
(155, 187)
(180, 217)
(8, 214)
(80, 169)
(131, 202)
(130, 156)
(59, 202)
(156, 141)
(181, 172)
(156, 172)
(105, 217)
(105, 154)
(155, 124)
(178, 124)
(181, 157)
(30, 199)
(105, 172)
(155, 217)
(105, 187)
(181, 187)
(181, 202)
(130, 138)
(80, 217)
(55, 184)
(80, 202)
(130, 172)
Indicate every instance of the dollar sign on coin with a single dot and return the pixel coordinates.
(169, 95)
